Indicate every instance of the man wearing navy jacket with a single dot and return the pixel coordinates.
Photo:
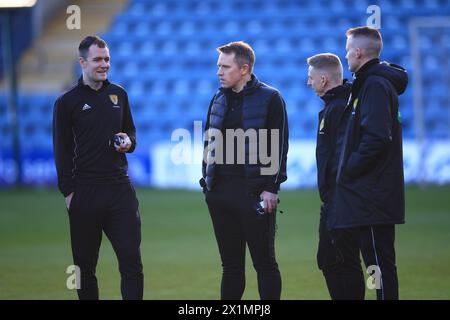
(233, 188)
(369, 199)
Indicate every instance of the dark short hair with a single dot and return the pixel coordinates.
(369, 33)
(85, 44)
(243, 53)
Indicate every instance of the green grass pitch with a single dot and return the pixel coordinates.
(180, 255)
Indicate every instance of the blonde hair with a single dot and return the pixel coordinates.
(328, 62)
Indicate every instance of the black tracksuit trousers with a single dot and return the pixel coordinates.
(236, 224)
(338, 257)
(114, 210)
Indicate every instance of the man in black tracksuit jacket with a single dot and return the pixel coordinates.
(234, 189)
(325, 76)
(92, 172)
(369, 196)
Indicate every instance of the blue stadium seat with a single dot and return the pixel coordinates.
(163, 53)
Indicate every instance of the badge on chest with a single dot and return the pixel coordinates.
(115, 100)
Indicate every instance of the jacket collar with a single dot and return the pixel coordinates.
(361, 75)
(81, 84)
(362, 71)
(249, 87)
(336, 92)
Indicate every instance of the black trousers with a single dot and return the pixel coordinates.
(114, 210)
(338, 257)
(236, 224)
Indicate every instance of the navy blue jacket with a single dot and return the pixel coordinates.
(262, 108)
(330, 133)
(370, 183)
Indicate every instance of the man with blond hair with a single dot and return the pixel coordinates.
(325, 76)
(369, 198)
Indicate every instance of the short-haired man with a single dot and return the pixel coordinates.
(92, 130)
(325, 76)
(369, 199)
(235, 187)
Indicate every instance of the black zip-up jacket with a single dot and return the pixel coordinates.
(330, 133)
(370, 183)
(84, 124)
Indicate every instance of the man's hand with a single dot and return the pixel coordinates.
(68, 200)
(125, 145)
(270, 201)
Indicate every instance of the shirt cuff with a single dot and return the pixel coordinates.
(133, 145)
(272, 188)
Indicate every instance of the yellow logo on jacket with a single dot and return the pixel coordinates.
(114, 98)
(322, 124)
(355, 103)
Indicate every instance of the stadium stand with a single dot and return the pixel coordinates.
(163, 53)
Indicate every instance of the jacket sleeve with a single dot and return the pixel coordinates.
(205, 143)
(63, 147)
(128, 124)
(376, 129)
(277, 119)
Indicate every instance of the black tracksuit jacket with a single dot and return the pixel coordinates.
(84, 124)
(330, 133)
